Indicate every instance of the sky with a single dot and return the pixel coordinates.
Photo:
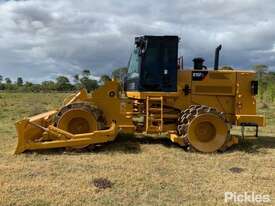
(40, 40)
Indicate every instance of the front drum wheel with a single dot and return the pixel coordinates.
(79, 118)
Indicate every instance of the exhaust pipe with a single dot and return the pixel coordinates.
(217, 56)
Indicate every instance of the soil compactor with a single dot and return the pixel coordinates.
(193, 108)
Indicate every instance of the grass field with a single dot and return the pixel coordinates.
(141, 171)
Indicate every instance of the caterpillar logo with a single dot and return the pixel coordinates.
(199, 75)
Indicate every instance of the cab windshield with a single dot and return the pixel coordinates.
(134, 64)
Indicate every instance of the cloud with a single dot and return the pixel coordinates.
(42, 39)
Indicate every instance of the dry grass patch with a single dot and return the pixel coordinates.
(137, 171)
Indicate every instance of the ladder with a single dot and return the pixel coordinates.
(154, 115)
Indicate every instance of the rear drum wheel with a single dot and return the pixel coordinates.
(203, 128)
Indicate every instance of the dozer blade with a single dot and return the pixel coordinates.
(28, 133)
(37, 133)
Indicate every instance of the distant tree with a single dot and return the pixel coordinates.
(8, 84)
(261, 71)
(104, 78)
(48, 86)
(2, 87)
(120, 73)
(76, 78)
(260, 68)
(35, 88)
(28, 84)
(8, 80)
(270, 78)
(28, 87)
(89, 84)
(226, 68)
(63, 84)
(19, 81)
(86, 73)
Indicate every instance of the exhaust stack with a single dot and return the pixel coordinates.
(217, 56)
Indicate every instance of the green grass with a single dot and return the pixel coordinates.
(142, 171)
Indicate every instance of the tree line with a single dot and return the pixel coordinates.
(61, 83)
(266, 81)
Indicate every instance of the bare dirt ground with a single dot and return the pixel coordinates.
(129, 171)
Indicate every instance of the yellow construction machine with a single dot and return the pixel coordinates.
(193, 108)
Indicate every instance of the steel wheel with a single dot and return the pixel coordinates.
(207, 133)
(203, 128)
(77, 121)
(80, 118)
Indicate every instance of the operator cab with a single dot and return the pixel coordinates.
(153, 64)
